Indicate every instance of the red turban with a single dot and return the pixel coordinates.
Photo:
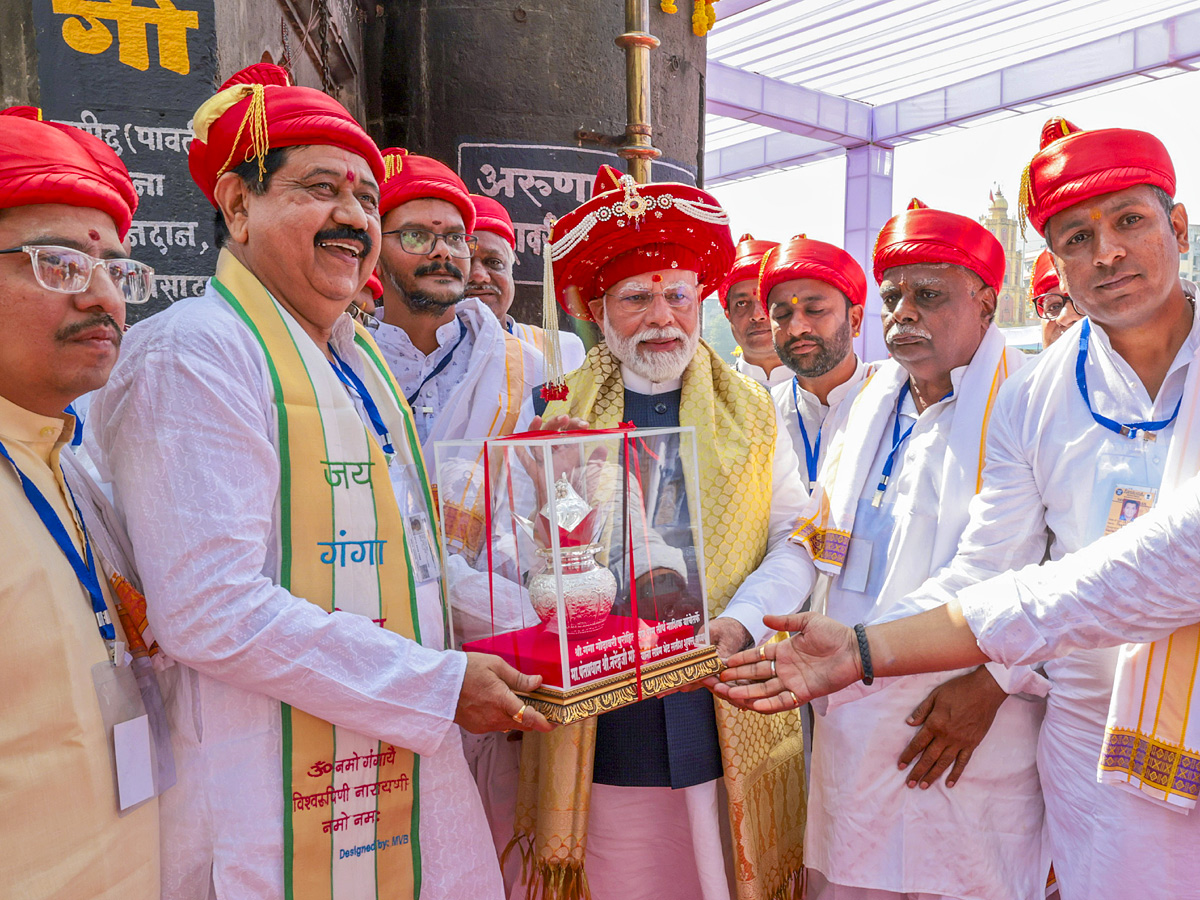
(1045, 279)
(923, 235)
(802, 258)
(491, 216)
(626, 229)
(412, 177)
(746, 263)
(375, 286)
(45, 162)
(258, 110)
(1074, 165)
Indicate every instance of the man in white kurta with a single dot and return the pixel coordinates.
(462, 374)
(890, 508)
(1043, 439)
(813, 294)
(188, 433)
(739, 298)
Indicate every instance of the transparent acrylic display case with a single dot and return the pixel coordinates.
(578, 556)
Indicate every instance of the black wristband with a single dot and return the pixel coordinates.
(864, 653)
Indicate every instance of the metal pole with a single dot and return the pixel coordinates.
(637, 42)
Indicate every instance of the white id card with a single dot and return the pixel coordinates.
(128, 726)
(417, 530)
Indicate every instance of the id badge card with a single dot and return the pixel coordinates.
(130, 747)
(418, 530)
(1127, 504)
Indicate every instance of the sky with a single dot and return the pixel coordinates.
(956, 171)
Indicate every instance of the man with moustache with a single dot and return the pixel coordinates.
(669, 780)
(813, 294)
(269, 472)
(491, 279)
(461, 373)
(1119, 400)
(888, 512)
(66, 203)
(747, 319)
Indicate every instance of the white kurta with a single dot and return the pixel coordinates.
(866, 828)
(626, 858)
(185, 429)
(821, 422)
(473, 394)
(777, 375)
(1050, 480)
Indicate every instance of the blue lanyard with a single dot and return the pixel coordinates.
(462, 333)
(77, 437)
(897, 440)
(84, 571)
(1131, 431)
(812, 452)
(347, 376)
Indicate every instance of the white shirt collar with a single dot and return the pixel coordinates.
(779, 374)
(641, 385)
(838, 393)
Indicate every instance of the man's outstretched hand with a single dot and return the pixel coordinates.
(487, 702)
(819, 659)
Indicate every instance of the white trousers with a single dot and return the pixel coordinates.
(820, 889)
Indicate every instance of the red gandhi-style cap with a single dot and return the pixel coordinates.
(627, 229)
(413, 177)
(1075, 165)
(746, 263)
(46, 162)
(259, 109)
(491, 216)
(803, 258)
(923, 235)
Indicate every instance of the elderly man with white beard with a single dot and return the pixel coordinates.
(667, 781)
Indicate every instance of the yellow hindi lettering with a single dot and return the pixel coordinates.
(85, 33)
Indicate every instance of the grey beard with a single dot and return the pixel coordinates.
(659, 367)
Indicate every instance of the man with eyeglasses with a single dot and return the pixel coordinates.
(66, 203)
(682, 796)
(491, 279)
(1108, 414)
(463, 375)
(1053, 307)
(738, 295)
(269, 473)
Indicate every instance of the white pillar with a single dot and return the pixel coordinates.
(868, 207)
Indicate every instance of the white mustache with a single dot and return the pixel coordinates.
(661, 334)
(899, 329)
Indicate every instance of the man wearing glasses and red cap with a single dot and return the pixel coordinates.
(1110, 414)
(269, 472)
(66, 203)
(671, 781)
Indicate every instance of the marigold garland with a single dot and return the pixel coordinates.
(704, 17)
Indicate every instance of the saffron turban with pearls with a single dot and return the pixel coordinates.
(802, 258)
(627, 229)
(411, 177)
(1075, 165)
(45, 162)
(258, 110)
(491, 216)
(746, 263)
(923, 235)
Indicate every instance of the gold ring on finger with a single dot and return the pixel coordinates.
(519, 715)
(762, 652)
(795, 699)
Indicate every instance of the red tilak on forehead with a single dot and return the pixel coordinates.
(656, 278)
(350, 177)
(93, 234)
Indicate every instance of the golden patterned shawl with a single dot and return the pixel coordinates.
(763, 756)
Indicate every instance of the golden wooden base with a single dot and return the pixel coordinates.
(563, 707)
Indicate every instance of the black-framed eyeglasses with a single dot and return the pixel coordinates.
(1051, 304)
(68, 271)
(421, 241)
